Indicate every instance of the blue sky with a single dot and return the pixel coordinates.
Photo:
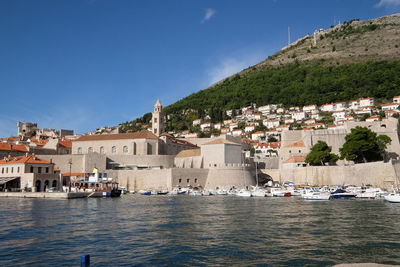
(83, 64)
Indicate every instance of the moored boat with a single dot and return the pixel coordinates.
(342, 194)
(393, 198)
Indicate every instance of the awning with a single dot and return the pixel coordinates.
(4, 180)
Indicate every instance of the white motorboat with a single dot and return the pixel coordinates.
(233, 191)
(205, 193)
(222, 192)
(393, 198)
(278, 192)
(195, 193)
(243, 193)
(311, 194)
(258, 192)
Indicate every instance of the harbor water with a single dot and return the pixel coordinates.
(200, 231)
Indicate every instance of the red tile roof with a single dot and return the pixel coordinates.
(297, 144)
(296, 159)
(31, 159)
(143, 134)
(12, 147)
(65, 143)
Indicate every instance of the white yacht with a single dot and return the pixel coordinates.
(313, 194)
(393, 198)
(258, 192)
(243, 193)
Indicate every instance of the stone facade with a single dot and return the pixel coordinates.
(29, 173)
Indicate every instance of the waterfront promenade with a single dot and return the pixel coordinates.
(60, 195)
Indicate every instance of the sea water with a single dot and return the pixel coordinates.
(201, 231)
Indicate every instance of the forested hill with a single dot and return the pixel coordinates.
(350, 60)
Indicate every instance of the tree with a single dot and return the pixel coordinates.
(272, 139)
(363, 145)
(321, 154)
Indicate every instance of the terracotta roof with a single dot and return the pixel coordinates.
(143, 134)
(297, 144)
(388, 105)
(24, 159)
(13, 147)
(182, 142)
(67, 174)
(65, 143)
(296, 159)
(189, 153)
(221, 141)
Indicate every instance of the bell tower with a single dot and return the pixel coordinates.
(158, 119)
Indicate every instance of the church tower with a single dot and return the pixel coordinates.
(158, 119)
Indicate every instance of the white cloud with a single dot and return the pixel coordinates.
(388, 3)
(228, 66)
(208, 15)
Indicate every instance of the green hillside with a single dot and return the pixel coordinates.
(348, 61)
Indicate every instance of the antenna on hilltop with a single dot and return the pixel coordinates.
(288, 29)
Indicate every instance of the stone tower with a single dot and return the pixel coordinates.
(158, 119)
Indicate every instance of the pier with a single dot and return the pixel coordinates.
(55, 195)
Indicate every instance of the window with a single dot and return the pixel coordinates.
(47, 170)
(134, 148)
(2, 170)
(102, 150)
(155, 130)
(195, 180)
(155, 120)
(125, 149)
(180, 180)
(79, 150)
(299, 151)
(114, 150)
(12, 169)
(18, 169)
(7, 170)
(32, 169)
(188, 180)
(290, 151)
(39, 170)
(90, 150)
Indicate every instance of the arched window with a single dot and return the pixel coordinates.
(90, 150)
(79, 150)
(101, 150)
(114, 150)
(125, 149)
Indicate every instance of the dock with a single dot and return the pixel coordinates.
(54, 195)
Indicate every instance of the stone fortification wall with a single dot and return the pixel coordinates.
(374, 173)
(80, 163)
(189, 162)
(189, 177)
(228, 177)
(169, 178)
(166, 161)
(268, 163)
(333, 137)
(143, 179)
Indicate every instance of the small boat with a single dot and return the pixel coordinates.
(222, 192)
(162, 192)
(393, 198)
(144, 192)
(123, 190)
(205, 193)
(313, 194)
(132, 192)
(340, 193)
(243, 193)
(258, 192)
(278, 192)
(195, 193)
